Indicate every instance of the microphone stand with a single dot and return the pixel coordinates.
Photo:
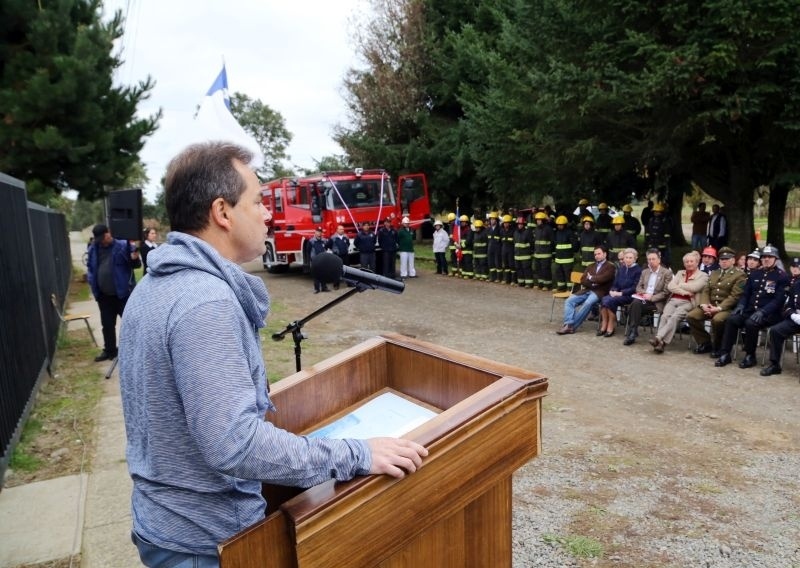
(296, 327)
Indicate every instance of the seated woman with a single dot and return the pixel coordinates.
(685, 288)
(621, 293)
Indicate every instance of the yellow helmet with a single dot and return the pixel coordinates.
(464, 219)
(494, 215)
(602, 206)
(583, 201)
(507, 218)
(540, 215)
(618, 220)
(627, 208)
(561, 220)
(588, 218)
(451, 216)
(478, 224)
(658, 207)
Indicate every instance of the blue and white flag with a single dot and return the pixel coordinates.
(221, 84)
(214, 121)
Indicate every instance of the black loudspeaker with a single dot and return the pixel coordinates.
(125, 214)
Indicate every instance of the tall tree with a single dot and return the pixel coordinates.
(63, 124)
(267, 127)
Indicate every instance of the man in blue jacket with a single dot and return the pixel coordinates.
(110, 273)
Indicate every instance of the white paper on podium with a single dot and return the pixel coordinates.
(385, 415)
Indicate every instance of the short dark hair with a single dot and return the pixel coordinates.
(603, 247)
(99, 230)
(653, 251)
(196, 177)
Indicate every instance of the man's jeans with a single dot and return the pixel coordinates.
(153, 556)
(577, 308)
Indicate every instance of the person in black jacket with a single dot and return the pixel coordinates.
(318, 247)
(387, 241)
(339, 245)
(148, 244)
(364, 242)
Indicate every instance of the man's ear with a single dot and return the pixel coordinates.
(220, 213)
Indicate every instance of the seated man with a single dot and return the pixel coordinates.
(685, 290)
(721, 294)
(780, 332)
(759, 307)
(651, 294)
(595, 283)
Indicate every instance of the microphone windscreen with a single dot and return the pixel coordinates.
(326, 267)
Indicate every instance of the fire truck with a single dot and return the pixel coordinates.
(297, 206)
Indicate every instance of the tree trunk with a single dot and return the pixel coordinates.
(677, 186)
(775, 236)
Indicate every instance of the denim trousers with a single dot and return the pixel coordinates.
(154, 556)
(577, 308)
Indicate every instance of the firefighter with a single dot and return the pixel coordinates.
(523, 240)
(507, 250)
(603, 224)
(619, 239)
(583, 210)
(657, 233)
(452, 230)
(465, 246)
(632, 224)
(564, 249)
(543, 251)
(589, 240)
(495, 259)
(480, 247)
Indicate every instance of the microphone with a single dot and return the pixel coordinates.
(329, 268)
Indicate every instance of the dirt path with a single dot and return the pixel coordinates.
(664, 460)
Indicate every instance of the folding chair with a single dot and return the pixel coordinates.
(575, 284)
(71, 317)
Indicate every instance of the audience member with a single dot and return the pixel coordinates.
(708, 260)
(783, 330)
(759, 307)
(595, 283)
(721, 294)
(651, 294)
(700, 218)
(685, 288)
(148, 244)
(621, 292)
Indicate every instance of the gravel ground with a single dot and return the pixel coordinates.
(648, 460)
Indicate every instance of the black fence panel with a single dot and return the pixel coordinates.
(34, 263)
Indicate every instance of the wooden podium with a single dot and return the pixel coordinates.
(454, 511)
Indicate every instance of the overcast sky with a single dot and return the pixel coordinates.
(290, 54)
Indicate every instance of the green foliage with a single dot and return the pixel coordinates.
(267, 127)
(63, 124)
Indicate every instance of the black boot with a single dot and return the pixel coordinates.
(748, 361)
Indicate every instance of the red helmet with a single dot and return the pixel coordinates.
(520, 219)
(710, 251)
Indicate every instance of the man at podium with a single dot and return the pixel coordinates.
(193, 380)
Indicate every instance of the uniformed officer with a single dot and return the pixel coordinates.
(543, 251)
(465, 245)
(589, 239)
(658, 232)
(632, 224)
(453, 231)
(494, 256)
(565, 245)
(780, 332)
(721, 294)
(603, 224)
(759, 307)
(619, 239)
(523, 241)
(480, 248)
(507, 250)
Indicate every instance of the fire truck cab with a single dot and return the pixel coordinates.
(297, 206)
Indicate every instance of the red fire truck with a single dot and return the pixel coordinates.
(329, 199)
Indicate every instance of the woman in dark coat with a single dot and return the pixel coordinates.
(621, 293)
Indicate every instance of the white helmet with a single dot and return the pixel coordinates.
(406, 221)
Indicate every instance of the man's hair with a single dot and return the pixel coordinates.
(602, 247)
(653, 251)
(196, 177)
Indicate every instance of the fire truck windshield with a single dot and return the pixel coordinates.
(358, 193)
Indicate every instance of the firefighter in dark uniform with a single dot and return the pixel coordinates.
(603, 224)
(465, 244)
(658, 232)
(543, 251)
(452, 231)
(480, 247)
(565, 245)
(720, 295)
(507, 250)
(583, 210)
(589, 239)
(780, 332)
(632, 224)
(495, 257)
(759, 307)
(619, 239)
(523, 239)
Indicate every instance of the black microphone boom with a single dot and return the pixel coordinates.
(329, 268)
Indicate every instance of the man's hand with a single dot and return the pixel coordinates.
(395, 456)
(757, 317)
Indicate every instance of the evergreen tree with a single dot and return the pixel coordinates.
(268, 129)
(63, 124)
